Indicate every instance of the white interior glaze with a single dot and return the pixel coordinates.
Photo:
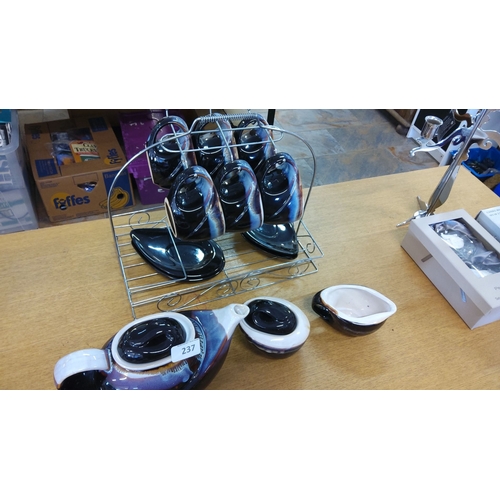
(358, 304)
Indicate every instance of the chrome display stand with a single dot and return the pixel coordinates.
(247, 268)
(465, 137)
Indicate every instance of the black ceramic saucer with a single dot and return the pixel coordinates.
(202, 260)
(278, 239)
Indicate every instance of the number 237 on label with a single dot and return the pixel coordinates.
(186, 350)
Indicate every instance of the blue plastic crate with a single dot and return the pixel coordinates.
(5, 116)
(488, 157)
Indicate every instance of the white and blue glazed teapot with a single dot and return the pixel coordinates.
(171, 350)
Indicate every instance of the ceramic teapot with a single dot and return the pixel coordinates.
(171, 350)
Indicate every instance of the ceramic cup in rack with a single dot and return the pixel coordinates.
(281, 189)
(173, 150)
(185, 263)
(255, 143)
(240, 197)
(214, 143)
(193, 206)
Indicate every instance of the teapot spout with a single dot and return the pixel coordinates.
(230, 316)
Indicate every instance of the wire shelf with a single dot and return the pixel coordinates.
(246, 269)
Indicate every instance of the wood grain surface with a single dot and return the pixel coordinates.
(62, 291)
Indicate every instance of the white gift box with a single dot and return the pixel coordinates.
(474, 296)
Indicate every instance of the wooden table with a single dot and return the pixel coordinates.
(62, 291)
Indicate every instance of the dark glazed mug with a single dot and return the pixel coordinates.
(173, 150)
(281, 189)
(240, 197)
(254, 142)
(214, 143)
(193, 206)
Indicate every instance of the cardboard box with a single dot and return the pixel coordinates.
(70, 186)
(490, 220)
(475, 298)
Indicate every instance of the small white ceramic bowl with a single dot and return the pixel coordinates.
(353, 309)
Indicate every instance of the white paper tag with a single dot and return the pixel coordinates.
(186, 350)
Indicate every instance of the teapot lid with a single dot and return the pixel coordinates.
(146, 343)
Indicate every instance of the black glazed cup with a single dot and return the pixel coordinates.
(240, 197)
(281, 189)
(253, 141)
(193, 206)
(166, 141)
(214, 144)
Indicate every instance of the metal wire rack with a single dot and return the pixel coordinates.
(246, 267)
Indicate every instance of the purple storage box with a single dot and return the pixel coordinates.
(135, 128)
(150, 193)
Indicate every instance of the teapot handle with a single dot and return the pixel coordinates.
(79, 362)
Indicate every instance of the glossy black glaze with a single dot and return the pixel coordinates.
(253, 141)
(341, 324)
(277, 239)
(209, 158)
(202, 260)
(193, 373)
(166, 165)
(213, 328)
(271, 317)
(150, 340)
(211, 141)
(214, 343)
(240, 196)
(193, 206)
(90, 380)
(281, 189)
